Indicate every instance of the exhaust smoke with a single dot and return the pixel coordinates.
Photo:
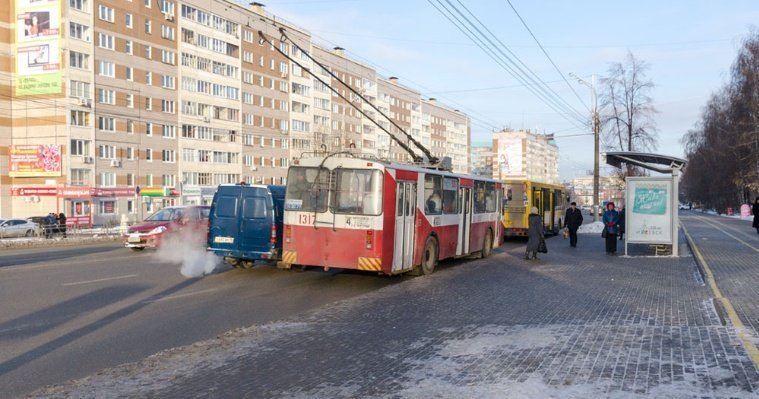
(187, 248)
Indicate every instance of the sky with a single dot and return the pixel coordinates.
(689, 47)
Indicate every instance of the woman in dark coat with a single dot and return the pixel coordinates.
(611, 222)
(534, 234)
(755, 211)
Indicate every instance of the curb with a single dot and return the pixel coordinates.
(723, 305)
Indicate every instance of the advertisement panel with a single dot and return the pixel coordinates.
(649, 210)
(38, 64)
(42, 160)
(509, 157)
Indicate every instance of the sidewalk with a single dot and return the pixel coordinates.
(577, 323)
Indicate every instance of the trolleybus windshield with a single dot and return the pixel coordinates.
(358, 192)
(307, 189)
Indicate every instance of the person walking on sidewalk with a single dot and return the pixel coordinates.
(572, 222)
(534, 234)
(755, 212)
(611, 223)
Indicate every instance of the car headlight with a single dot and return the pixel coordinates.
(158, 230)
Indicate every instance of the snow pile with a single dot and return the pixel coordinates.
(591, 228)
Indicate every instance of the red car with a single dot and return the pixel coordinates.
(149, 233)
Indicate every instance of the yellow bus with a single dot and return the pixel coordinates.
(521, 195)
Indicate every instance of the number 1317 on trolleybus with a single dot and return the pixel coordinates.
(348, 212)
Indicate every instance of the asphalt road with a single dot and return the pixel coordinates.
(69, 312)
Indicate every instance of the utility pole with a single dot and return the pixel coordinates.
(596, 124)
(596, 149)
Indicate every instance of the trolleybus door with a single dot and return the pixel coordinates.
(465, 220)
(405, 215)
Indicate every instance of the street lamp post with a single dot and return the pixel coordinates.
(596, 120)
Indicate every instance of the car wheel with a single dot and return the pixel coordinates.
(429, 257)
(29, 233)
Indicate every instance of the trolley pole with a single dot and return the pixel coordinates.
(596, 149)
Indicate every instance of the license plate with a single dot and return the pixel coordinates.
(223, 240)
(134, 238)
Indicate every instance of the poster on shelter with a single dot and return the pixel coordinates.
(649, 212)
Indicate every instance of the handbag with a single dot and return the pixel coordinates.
(542, 248)
(604, 232)
(566, 233)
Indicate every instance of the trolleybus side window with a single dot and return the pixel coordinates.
(490, 197)
(433, 194)
(450, 195)
(358, 192)
(479, 197)
(307, 189)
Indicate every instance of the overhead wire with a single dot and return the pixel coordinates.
(501, 62)
(518, 66)
(546, 54)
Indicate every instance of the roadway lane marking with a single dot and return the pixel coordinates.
(99, 280)
(741, 330)
(177, 296)
(715, 225)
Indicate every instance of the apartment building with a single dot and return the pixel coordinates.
(114, 108)
(481, 160)
(525, 155)
(449, 132)
(609, 189)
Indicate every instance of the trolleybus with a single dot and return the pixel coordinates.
(521, 195)
(350, 212)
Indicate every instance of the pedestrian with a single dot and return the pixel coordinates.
(534, 234)
(755, 212)
(622, 223)
(611, 224)
(572, 222)
(50, 225)
(62, 223)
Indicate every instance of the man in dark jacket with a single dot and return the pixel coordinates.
(572, 222)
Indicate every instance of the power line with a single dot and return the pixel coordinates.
(546, 53)
(532, 76)
(500, 61)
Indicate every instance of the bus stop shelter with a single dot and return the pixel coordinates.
(651, 202)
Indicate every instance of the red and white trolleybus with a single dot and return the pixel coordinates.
(350, 212)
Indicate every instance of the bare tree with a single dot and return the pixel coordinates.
(627, 108)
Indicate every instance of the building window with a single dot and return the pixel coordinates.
(130, 126)
(149, 154)
(106, 123)
(148, 27)
(130, 207)
(128, 20)
(130, 100)
(106, 207)
(168, 131)
(167, 82)
(106, 151)
(167, 32)
(106, 96)
(80, 118)
(80, 177)
(79, 89)
(105, 13)
(149, 129)
(80, 147)
(149, 52)
(167, 106)
(129, 73)
(79, 60)
(105, 41)
(130, 179)
(147, 3)
(80, 5)
(106, 69)
(168, 156)
(148, 104)
(128, 47)
(148, 78)
(79, 31)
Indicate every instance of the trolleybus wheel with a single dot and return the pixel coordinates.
(487, 246)
(429, 258)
